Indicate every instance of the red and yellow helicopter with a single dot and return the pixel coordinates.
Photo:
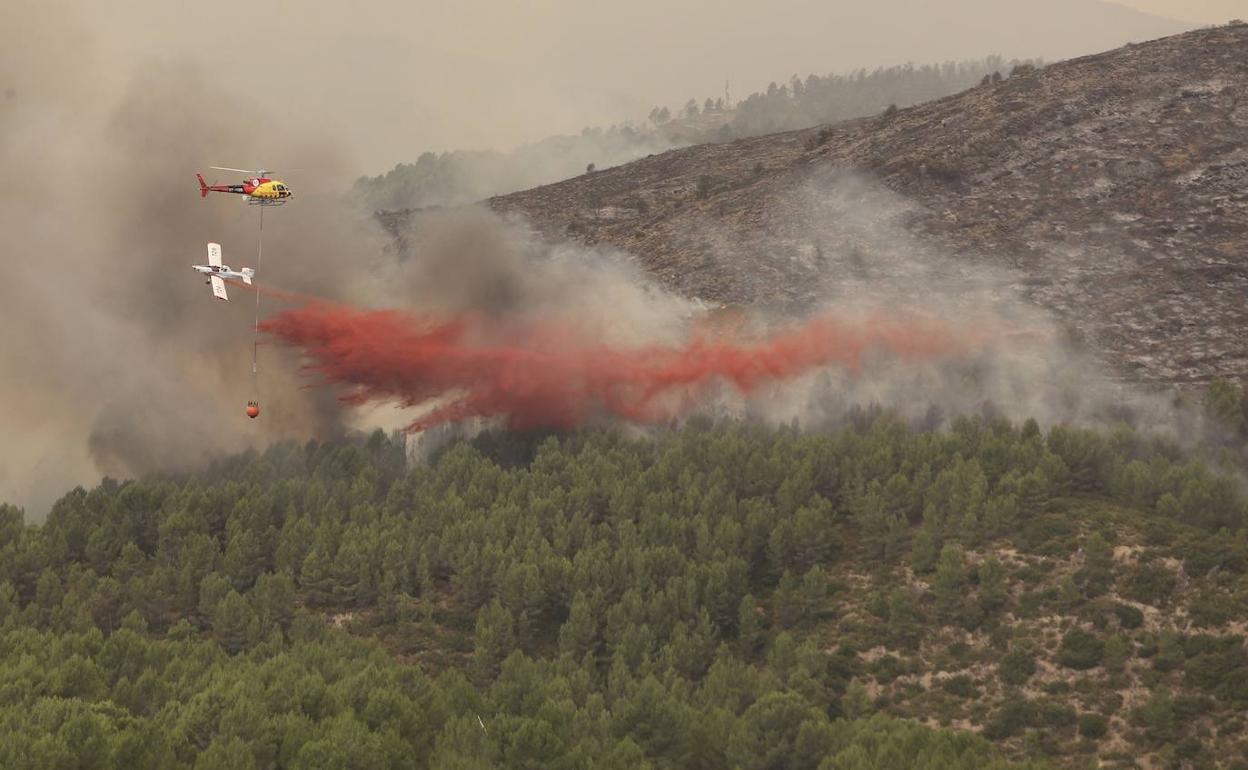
(259, 189)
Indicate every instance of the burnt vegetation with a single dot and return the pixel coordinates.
(1111, 187)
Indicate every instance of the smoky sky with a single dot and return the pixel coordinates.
(394, 78)
(116, 359)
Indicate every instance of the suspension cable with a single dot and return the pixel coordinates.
(255, 339)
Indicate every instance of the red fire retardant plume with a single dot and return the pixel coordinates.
(552, 375)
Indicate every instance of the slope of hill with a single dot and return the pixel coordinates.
(725, 595)
(1110, 188)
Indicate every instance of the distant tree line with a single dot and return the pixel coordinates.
(804, 103)
(468, 176)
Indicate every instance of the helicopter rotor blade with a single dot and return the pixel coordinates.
(239, 170)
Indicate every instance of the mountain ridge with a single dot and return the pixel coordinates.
(1099, 184)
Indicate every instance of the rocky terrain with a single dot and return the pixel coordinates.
(1111, 190)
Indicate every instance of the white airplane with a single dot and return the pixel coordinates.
(217, 272)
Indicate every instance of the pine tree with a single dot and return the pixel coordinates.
(273, 600)
(856, 703)
(351, 575)
(234, 623)
(879, 526)
(493, 640)
(993, 589)
(749, 627)
(925, 550)
(905, 620)
(578, 635)
(949, 584)
(1097, 575)
(787, 601)
(315, 580)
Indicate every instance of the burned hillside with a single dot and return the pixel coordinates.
(1111, 190)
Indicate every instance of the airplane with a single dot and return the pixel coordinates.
(218, 273)
(258, 189)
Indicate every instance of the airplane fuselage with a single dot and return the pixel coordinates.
(224, 272)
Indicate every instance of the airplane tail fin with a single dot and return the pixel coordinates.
(248, 274)
(203, 186)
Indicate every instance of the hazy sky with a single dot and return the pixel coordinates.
(396, 77)
(1198, 11)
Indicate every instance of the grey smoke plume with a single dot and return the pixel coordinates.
(471, 260)
(117, 360)
(857, 252)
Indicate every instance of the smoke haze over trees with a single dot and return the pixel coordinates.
(831, 98)
(467, 176)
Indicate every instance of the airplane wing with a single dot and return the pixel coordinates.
(214, 254)
(218, 287)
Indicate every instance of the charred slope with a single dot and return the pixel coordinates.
(1113, 189)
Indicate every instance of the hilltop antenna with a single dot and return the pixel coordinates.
(727, 97)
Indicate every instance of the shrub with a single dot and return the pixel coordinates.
(1054, 714)
(1016, 667)
(1170, 654)
(1188, 748)
(1117, 652)
(1010, 720)
(960, 685)
(1203, 554)
(1218, 666)
(1081, 650)
(1213, 608)
(1128, 617)
(887, 668)
(1151, 584)
(1093, 726)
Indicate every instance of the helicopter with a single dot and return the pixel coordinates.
(258, 189)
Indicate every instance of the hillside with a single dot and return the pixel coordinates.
(1110, 189)
(726, 595)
